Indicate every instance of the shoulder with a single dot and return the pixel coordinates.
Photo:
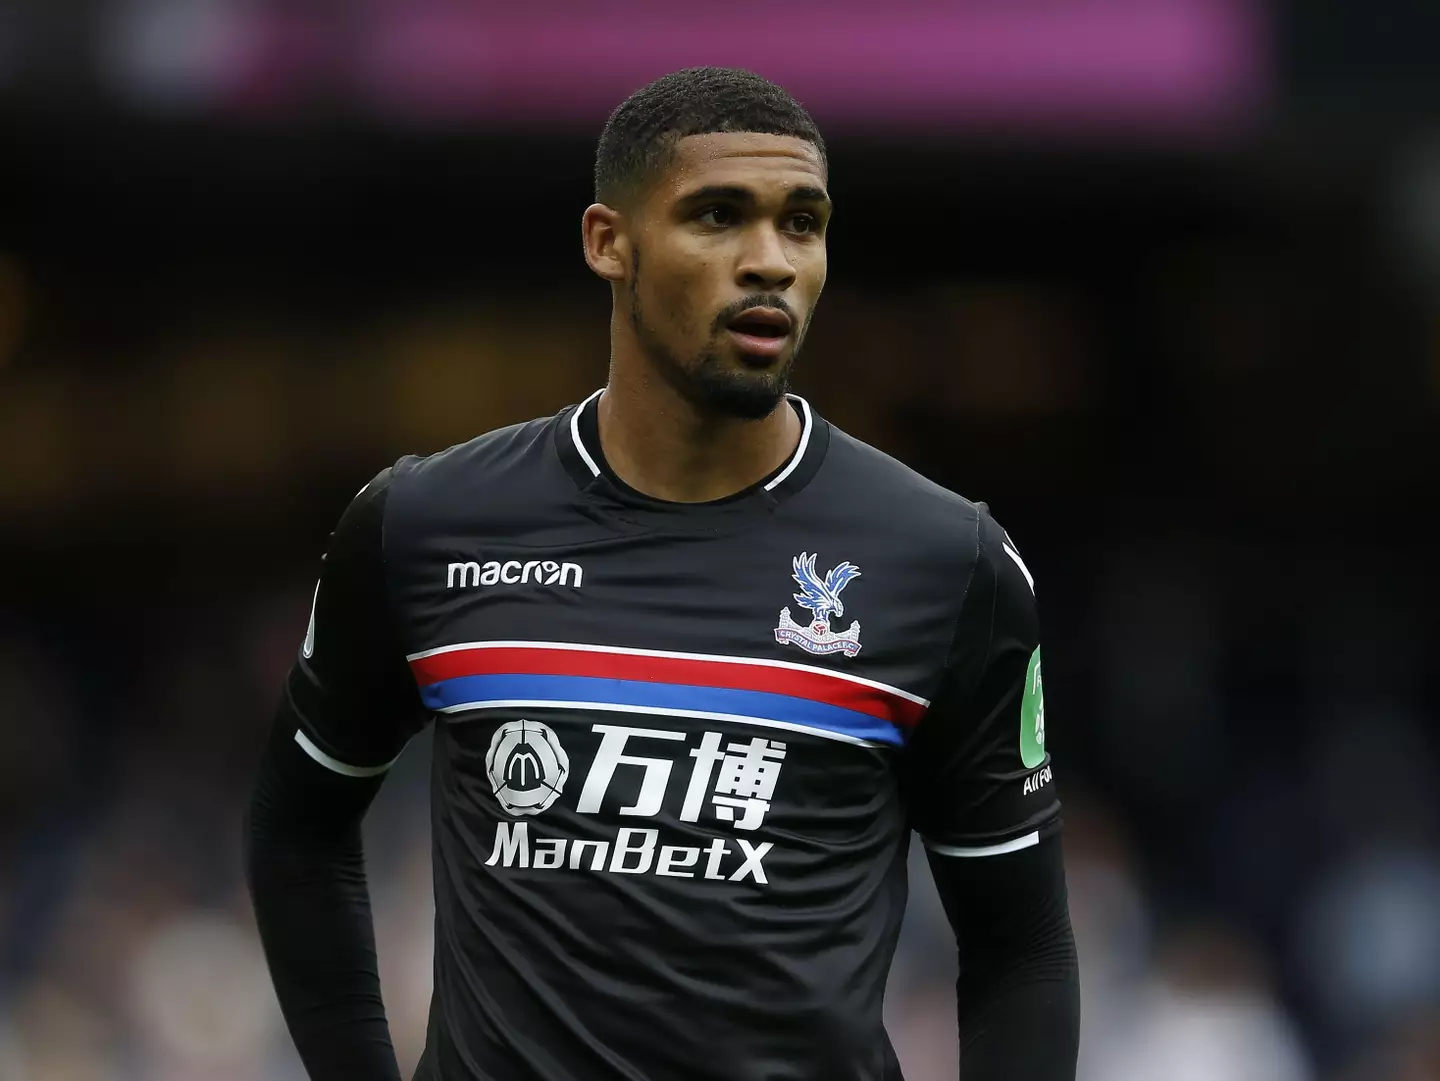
(935, 525)
(493, 477)
(884, 489)
(934, 557)
(494, 452)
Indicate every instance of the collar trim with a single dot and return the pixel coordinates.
(799, 455)
(779, 478)
(575, 433)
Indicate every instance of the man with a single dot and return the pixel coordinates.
(697, 663)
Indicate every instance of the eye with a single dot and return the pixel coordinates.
(717, 217)
(802, 223)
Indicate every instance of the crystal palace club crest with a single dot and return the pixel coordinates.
(822, 597)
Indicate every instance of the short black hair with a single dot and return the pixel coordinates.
(641, 133)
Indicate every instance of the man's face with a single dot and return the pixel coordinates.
(726, 264)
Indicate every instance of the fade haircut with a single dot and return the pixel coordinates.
(640, 136)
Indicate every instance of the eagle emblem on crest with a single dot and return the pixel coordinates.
(822, 597)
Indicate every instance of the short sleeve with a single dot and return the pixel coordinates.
(976, 777)
(350, 688)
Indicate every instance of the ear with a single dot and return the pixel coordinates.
(607, 246)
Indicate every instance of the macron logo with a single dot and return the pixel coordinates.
(512, 572)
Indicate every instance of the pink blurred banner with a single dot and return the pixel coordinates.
(989, 63)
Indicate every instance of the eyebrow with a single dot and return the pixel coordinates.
(807, 195)
(734, 193)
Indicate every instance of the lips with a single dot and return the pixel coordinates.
(762, 323)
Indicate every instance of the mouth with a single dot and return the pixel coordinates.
(761, 332)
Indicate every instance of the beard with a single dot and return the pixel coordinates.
(710, 386)
(705, 381)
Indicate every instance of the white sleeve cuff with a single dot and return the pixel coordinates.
(334, 764)
(964, 851)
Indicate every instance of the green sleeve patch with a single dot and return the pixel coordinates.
(1032, 715)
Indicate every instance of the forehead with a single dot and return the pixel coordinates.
(745, 158)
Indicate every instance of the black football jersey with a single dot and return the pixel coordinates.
(679, 748)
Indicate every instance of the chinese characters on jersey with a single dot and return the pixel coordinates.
(736, 778)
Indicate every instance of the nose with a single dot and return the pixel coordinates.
(764, 264)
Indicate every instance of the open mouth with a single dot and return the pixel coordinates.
(763, 323)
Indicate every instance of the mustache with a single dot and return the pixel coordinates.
(754, 300)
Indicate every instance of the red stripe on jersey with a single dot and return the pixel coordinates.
(685, 671)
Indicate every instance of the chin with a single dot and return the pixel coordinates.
(750, 395)
(725, 383)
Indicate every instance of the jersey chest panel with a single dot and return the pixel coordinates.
(667, 704)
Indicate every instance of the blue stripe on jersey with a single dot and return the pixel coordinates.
(478, 690)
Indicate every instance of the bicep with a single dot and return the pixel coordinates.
(977, 777)
(349, 692)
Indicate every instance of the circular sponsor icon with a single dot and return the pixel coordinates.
(527, 766)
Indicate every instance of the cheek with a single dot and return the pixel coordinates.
(812, 272)
(682, 288)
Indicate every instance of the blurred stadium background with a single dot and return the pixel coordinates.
(1157, 279)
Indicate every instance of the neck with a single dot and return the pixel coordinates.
(661, 445)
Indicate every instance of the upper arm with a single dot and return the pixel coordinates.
(976, 775)
(350, 689)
